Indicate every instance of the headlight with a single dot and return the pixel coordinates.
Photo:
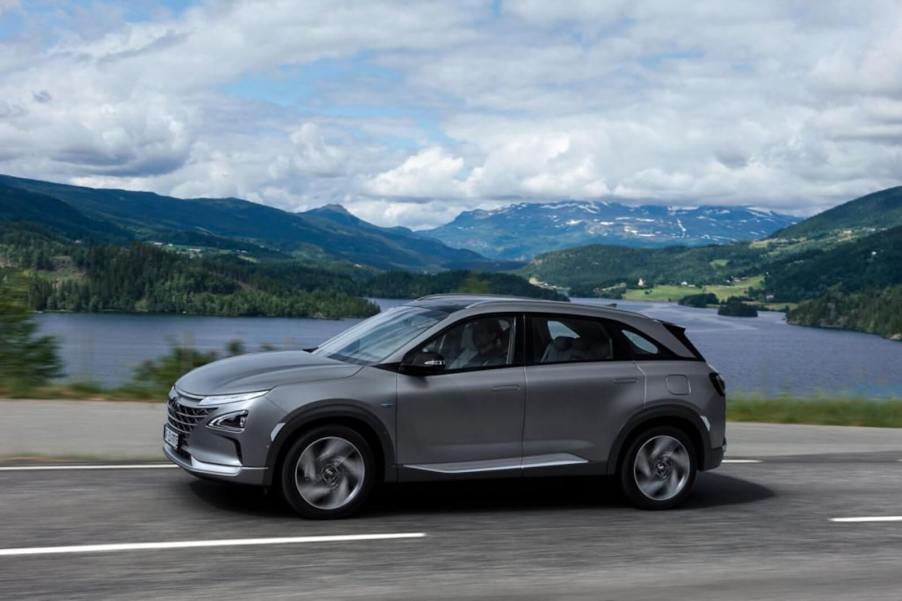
(230, 422)
(223, 399)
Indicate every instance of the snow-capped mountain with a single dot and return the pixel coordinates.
(523, 230)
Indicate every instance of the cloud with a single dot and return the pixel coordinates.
(409, 115)
(427, 174)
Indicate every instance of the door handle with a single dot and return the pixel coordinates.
(506, 387)
(627, 380)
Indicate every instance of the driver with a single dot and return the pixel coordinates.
(482, 345)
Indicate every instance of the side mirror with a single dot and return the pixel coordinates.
(423, 363)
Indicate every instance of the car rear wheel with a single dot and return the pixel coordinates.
(328, 473)
(658, 469)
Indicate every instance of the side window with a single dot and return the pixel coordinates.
(480, 342)
(565, 339)
(640, 345)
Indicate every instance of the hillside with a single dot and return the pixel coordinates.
(876, 211)
(870, 262)
(402, 284)
(586, 269)
(22, 206)
(524, 230)
(139, 278)
(875, 311)
(231, 223)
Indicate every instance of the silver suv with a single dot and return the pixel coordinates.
(452, 386)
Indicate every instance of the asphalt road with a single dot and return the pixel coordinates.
(751, 531)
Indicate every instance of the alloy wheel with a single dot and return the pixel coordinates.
(330, 473)
(662, 467)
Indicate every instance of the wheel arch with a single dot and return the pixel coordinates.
(364, 422)
(671, 414)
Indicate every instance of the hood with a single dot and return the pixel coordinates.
(262, 371)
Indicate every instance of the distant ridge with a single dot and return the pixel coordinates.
(524, 230)
(328, 233)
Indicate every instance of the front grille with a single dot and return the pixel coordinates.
(183, 418)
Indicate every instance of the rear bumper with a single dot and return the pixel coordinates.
(228, 473)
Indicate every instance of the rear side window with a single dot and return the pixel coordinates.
(641, 345)
(566, 339)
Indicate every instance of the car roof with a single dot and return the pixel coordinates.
(451, 303)
(474, 304)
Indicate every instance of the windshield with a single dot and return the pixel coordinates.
(376, 338)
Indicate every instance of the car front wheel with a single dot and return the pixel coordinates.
(659, 468)
(328, 473)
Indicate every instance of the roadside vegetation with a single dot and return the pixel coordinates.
(817, 411)
(27, 360)
(150, 381)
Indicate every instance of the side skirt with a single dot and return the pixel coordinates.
(555, 464)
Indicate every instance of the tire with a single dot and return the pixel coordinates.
(328, 473)
(658, 469)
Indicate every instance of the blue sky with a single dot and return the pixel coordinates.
(410, 112)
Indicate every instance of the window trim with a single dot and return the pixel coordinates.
(519, 347)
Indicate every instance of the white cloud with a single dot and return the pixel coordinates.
(428, 174)
(408, 115)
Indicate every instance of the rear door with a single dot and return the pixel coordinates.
(581, 382)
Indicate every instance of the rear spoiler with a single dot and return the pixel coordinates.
(679, 333)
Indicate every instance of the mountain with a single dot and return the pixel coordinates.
(404, 245)
(876, 211)
(21, 206)
(524, 230)
(232, 223)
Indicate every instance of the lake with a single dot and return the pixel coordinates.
(762, 355)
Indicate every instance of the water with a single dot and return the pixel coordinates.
(764, 355)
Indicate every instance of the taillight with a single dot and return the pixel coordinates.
(719, 385)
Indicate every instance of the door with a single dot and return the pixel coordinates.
(469, 416)
(580, 385)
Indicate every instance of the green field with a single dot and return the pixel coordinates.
(674, 292)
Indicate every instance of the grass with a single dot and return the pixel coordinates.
(738, 288)
(817, 411)
(674, 292)
(84, 391)
(662, 292)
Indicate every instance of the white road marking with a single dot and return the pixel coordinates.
(235, 542)
(865, 519)
(123, 466)
(742, 461)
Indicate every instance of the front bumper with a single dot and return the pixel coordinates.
(229, 473)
